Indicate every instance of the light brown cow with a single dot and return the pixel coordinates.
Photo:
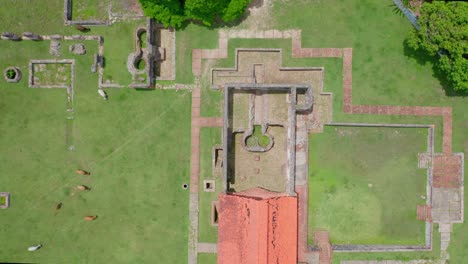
(83, 188)
(90, 217)
(82, 172)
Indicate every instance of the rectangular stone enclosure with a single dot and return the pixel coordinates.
(4, 200)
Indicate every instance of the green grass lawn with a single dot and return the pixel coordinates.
(205, 258)
(137, 172)
(136, 145)
(209, 137)
(364, 184)
(90, 10)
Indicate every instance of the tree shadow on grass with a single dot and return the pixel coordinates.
(422, 58)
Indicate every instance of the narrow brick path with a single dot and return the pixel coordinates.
(224, 35)
(423, 213)
(195, 140)
(197, 123)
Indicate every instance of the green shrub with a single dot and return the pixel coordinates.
(11, 74)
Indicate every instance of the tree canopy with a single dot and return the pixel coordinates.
(444, 33)
(175, 12)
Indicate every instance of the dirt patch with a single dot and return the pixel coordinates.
(259, 15)
(266, 170)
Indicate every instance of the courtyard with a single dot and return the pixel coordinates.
(371, 199)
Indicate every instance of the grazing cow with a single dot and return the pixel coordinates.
(90, 217)
(82, 172)
(103, 94)
(82, 28)
(83, 188)
(58, 206)
(34, 248)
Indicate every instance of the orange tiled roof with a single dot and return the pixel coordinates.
(257, 227)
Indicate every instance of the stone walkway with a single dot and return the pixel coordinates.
(208, 248)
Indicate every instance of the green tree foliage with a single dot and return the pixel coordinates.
(175, 12)
(444, 33)
(168, 12)
(205, 10)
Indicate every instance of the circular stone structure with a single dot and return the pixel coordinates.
(12, 74)
(185, 186)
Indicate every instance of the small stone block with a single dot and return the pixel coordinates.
(257, 157)
(209, 185)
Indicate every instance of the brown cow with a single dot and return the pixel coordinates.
(82, 28)
(82, 172)
(90, 217)
(83, 188)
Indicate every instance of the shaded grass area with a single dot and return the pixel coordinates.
(209, 137)
(364, 184)
(205, 258)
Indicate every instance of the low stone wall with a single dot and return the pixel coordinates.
(68, 14)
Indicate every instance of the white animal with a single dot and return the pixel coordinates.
(34, 248)
(102, 94)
